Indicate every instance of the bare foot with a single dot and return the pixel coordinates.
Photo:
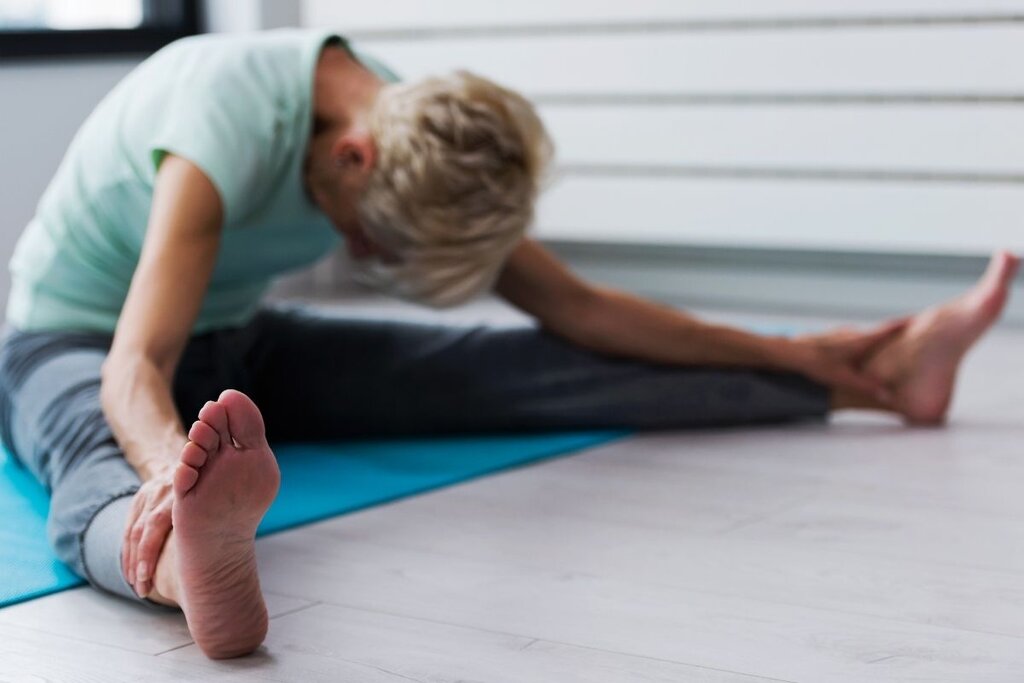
(921, 364)
(225, 482)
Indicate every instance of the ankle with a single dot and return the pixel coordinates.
(166, 589)
(843, 399)
(158, 598)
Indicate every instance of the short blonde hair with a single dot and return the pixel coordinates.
(460, 162)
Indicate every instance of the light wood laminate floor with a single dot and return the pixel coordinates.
(853, 551)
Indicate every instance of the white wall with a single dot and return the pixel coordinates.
(43, 105)
(45, 101)
(853, 125)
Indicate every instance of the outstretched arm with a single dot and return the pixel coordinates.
(620, 324)
(177, 259)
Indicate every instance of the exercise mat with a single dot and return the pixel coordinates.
(318, 481)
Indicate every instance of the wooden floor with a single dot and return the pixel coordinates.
(855, 551)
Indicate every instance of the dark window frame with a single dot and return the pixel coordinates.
(164, 21)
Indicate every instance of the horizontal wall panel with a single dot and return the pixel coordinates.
(390, 14)
(875, 125)
(823, 215)
(958, 139)
(892, 60)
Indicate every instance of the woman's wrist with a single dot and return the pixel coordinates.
(156, 466)
(781, 353)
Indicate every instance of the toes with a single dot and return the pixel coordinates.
(185, 478)
(1012, 263)
(194, 455)
(1001, 269)
(245, 423)
(204, 435)
(214, 414)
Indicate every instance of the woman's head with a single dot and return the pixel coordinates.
(457, 165)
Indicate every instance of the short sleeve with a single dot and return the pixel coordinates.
(224, 126)
(377, 67)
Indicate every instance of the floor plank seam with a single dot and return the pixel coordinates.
(300, 608)
(704, 591)
(469, 627)
(910, 497)
(173, 649)
(276, 616)
(79, 639)
(383, 670)
(1009, 571)
(530, 644)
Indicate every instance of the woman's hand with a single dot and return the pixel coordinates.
(146, 531)
(836, 358)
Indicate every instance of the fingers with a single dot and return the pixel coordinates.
(133, 548)
(146, 529)
(877, 340)
(889, 328)
(853, 347)
(126, 542)
(880, 336)
(849, 378)
(151, 542)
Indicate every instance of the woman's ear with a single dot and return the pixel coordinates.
(355, 151)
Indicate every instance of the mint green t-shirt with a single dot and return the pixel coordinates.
(240, 108)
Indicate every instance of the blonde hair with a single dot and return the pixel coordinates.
(460, 161)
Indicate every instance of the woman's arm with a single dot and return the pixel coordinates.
(616, 323)
(167, 289)
(163, 301)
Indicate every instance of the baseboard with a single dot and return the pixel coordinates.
(849, 285)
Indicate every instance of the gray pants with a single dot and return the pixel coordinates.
(317, 378)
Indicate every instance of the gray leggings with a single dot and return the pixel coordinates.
(317, 378)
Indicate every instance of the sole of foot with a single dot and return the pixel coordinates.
(223, 485)
(921, 365)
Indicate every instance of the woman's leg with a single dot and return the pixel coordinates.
(52, 421)
(53, 424)
(317, 377)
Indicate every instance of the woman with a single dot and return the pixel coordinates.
(223, 161)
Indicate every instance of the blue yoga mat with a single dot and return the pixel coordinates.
(317, 482)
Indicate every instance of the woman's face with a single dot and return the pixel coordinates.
(335, 186)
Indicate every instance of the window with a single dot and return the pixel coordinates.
(42, 28)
